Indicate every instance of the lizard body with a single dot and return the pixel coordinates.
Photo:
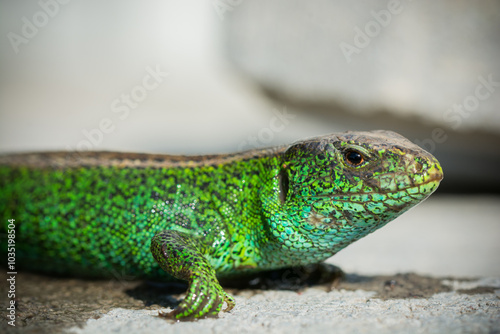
(203, 217)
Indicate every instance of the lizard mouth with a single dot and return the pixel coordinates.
(434, 174)
(429, 182)
(424, 183)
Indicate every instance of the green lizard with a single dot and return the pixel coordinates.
(200, 218)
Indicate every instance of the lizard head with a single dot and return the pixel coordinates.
(338, 188)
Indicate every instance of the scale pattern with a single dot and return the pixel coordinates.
(201, 218)
(97, 221)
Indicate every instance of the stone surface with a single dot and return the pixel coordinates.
(315, 311)
(409, 58)
(390, 304)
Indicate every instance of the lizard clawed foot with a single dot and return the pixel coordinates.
(203, 300)
(179, 256)
(229, 302)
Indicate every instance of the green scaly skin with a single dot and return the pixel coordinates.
(199, 218)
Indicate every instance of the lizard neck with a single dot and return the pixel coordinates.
(282, 241)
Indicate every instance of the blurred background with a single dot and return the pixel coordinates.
(193, 77)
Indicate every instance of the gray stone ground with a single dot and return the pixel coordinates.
(359, 304)
(316, 311)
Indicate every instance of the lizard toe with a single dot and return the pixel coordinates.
(212, 307)
(230, 303)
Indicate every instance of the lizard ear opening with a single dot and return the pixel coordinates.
(283, 183)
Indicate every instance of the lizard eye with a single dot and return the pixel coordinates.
(354, 158)
(283, 182)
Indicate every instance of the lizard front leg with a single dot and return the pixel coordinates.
(179, 256)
